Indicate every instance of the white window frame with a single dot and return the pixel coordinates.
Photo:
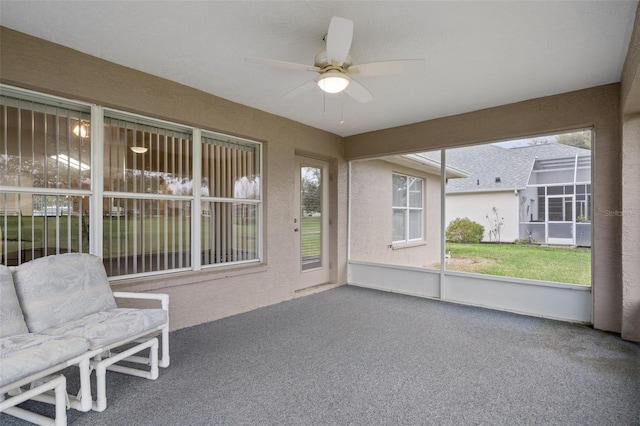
(200, 198)
(408, 209)
(97, 192)
(23, 95)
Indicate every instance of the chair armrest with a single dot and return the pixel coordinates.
(162, 297)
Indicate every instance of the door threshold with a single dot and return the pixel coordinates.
(315, 289)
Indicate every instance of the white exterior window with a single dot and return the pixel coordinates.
(230, 200)
(148, 192)
(45, 177)
(408, 210)
(146, 195)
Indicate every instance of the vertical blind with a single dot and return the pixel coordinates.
(148, 181)
(230, 194)
(146, 188)
(45, 163)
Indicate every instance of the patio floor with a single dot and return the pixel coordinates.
(364, 357)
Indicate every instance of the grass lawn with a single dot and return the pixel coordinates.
(310, 236)
(565, 265)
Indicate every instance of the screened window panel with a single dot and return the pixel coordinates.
(568, 209)
(555, 209)
(555, 190)
(583, 175)
(146, 235)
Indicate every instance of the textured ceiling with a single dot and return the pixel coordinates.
(478, 54)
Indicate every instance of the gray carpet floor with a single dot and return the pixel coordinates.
(353, 356)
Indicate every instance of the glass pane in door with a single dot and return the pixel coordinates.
(310, 217)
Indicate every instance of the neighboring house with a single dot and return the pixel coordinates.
(396, 210)
(538, 193)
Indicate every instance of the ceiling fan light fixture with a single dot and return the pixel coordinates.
(332, 81)
(139, 149)
(81, 129)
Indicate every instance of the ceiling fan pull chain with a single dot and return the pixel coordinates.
(341, 107)
(324, 104)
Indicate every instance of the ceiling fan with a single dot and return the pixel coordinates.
(335, 66)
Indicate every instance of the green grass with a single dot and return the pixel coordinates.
(119, 234)
(565, 265)
(310, 236)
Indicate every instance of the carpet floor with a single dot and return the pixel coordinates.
(354, 356)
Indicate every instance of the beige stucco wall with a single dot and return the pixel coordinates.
(476, 206)
(596, 108)
(630, 106)
(371, 216)
(631, 220)
(630, 81)
(35, 64)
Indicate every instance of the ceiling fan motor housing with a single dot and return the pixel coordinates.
(322, 62)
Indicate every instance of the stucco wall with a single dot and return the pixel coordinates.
(371, 216)
(630, 82)
(36, 64)
(630, 106)
(596, 108)
(631, 220)
(476, 206)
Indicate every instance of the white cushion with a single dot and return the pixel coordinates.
(57, 289)
(107, 327)
(23, 355)
(11, 318)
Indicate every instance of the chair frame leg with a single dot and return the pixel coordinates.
(56, 383)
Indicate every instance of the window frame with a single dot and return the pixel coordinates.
(97, 193)
(408, 209)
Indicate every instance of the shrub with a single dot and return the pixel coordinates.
(464, 230)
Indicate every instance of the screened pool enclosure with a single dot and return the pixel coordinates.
(555, 208)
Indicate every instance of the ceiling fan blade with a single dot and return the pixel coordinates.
(339, 40)
(281, 64)
(309, 85)
(358, 92)
(405, 66)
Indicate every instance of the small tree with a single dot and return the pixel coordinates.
(496, 223)
(464, 230)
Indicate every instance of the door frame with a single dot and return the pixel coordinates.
(552, 240)
(320, 275)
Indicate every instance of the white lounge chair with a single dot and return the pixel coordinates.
(68, 295)
(28, 362)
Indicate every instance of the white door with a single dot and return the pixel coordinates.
(560, 219)
(311, 222)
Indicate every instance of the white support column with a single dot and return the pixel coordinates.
(97, 180)
(443, 221)
(196, 208)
